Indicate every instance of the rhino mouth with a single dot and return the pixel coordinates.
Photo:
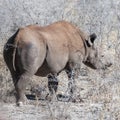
(90, 65)
(97, 66)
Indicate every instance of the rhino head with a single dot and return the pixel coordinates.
(92, 58)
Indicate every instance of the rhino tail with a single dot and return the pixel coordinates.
(15, 48)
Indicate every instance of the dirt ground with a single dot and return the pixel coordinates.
(99, 103)
(55, 111)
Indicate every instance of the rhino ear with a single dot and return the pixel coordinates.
(91, 39)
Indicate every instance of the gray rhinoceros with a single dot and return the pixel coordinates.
(46, 51)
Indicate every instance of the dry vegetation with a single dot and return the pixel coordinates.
(100, 90)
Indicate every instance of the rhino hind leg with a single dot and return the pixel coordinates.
(20, 87)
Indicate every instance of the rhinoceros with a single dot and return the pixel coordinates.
(46, 51)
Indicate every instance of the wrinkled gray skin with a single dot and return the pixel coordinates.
(46, 51)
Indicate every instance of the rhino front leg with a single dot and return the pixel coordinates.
(52, 85)
(71, 83)
(71, 87)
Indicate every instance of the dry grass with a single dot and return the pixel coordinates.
(99, 90)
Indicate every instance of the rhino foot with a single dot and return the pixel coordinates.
(22, 103)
